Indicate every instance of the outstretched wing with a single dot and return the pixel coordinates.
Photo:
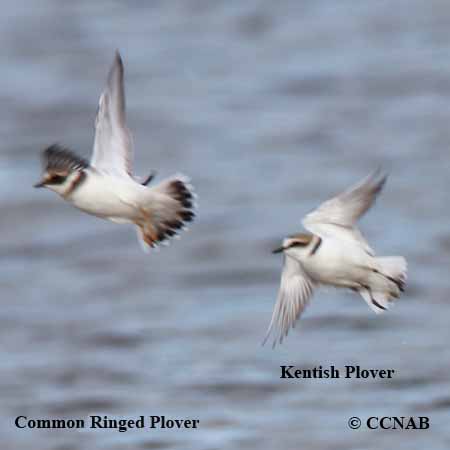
(295, 291)
(340, 214)
(113, 145)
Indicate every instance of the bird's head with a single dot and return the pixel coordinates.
(296, 243)
(62, 169)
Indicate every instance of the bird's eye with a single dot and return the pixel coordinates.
(56, 179)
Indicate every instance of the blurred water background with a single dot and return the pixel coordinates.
(270, 107)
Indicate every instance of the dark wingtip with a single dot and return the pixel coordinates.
(377, 179)
(117, 65)
(117, 56)
(119, 61)
(381, 175)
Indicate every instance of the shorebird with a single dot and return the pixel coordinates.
(335, 253)
(105, 186)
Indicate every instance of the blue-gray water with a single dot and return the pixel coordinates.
(270, 107)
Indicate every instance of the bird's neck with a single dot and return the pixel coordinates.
(74, 181)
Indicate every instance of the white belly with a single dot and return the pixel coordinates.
(105, 196)
(339, 263)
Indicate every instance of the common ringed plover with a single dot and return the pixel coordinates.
(105, 186)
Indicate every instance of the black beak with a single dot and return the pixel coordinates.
(39, 185)
(278, 250)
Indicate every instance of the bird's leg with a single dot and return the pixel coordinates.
(148, 179)
(372, 299)
(400, 284)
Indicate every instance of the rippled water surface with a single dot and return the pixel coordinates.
(270, 107)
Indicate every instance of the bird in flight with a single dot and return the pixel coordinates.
(335, 253)
(105, 187)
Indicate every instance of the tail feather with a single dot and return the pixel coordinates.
(171, 205)
(385, 283)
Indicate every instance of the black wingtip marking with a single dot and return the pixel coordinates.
(118, 57)
(379, 178)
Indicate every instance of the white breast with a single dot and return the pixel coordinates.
(337, 262)
(104, 196)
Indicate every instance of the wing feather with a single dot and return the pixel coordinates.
(296, 289)
(113, 145)
(340, 214)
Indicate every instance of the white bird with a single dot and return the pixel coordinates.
(335, 253)
(105, 187)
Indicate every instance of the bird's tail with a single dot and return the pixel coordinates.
(385, 283)
(394, 267)
(167, 208)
